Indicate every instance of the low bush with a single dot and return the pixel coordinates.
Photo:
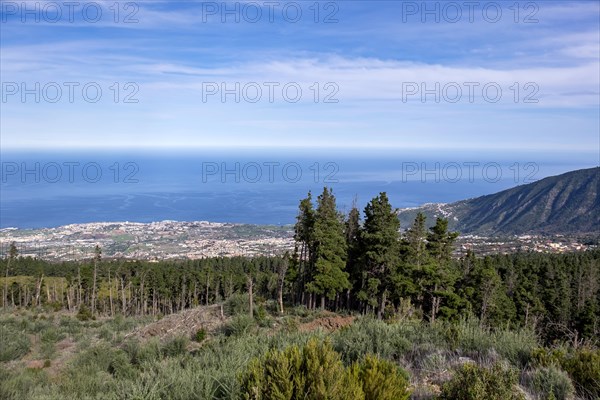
(239, 325)
(548, 382)
(120, 366)
(383, 380)
(316, 371)
(200, 335)
(84, 313)
(583, 366)
(18, 385)
(175, 346)
(236, 304)
(473, 382)
(47, 349)
(13, 344)
(366, 336)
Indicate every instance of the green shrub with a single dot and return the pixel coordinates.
(541, 357)
(479, 342)
(383, 380)
(200, 335)
(435, 363)
(548, 382)
(69, 325)
(262, 317)
(313, 372)
(473, 382)
(239, 325)
(289, 324)
(366, 336)
(132, 348)
(300, 311)
(515, 345)
(148, 353)
(47, 349)
(175, 346)
(120, 366)
(582, 365)
(51, 335)
(41, 325)
(84, 313)
(584, 368)
(18, 385)
(13, 344)
(236, 304)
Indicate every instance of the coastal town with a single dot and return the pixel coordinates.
(195, 240)
(148, 241)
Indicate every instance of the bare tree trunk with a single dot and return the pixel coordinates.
(69, 298)
(94, 288)
(207, 286)
(183, 286)
(78, 287)
(435, 303)
(382, 305)
(123, 301)
(280, 283)
(154, 304)
(5, 297)
(250, 295)
(217, 288)
(38, 290)
(348, 299)
(110, 295)
(195, 301)
(143, 294)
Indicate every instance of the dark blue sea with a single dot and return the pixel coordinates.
(255, 186)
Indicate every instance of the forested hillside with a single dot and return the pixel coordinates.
(563, 204)
(341, 262)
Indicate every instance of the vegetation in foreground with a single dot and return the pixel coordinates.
(54, 355)
(429, 326)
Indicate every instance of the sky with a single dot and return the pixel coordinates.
(481, 75)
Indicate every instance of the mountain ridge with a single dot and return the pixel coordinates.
(562, 204)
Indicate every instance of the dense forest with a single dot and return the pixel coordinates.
(340, 262)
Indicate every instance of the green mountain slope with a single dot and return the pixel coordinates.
(567, 203)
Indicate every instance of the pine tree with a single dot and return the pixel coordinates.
(330, 244)
(381, 240)
(97, 257)
(441, 275)
(415, 258)
(304, 251)
(13, 253)
(353, 265)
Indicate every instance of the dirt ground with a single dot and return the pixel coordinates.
(185, 323)
(329, 323)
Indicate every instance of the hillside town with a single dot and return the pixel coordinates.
(148, 241)
(201, 239)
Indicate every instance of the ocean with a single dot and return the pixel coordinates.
(254, 186)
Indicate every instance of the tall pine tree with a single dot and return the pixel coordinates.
(441, 275)
(303, 266)
(330, 245)
(381, 240)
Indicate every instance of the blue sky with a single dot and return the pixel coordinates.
(366, 55)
